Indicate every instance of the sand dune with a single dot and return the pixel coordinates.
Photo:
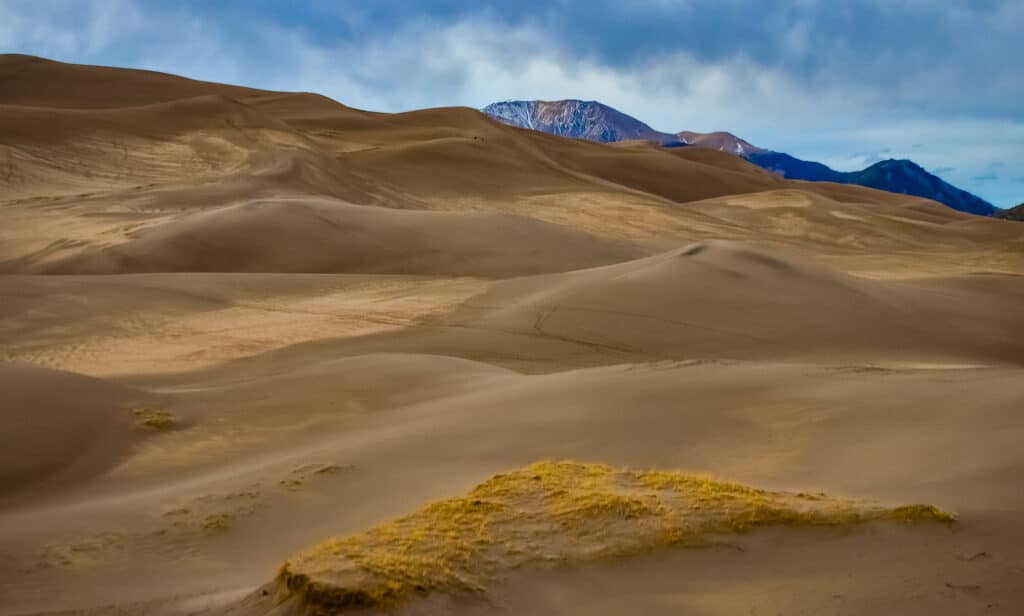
(131, 324)
(99, 172)
(319, 235)
(720, 299)
(799, 428)
(194, 140)
(44, 83)
(61, 428)
(302, 320)
(717, 299)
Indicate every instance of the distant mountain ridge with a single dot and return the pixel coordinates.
(598, 122)
(894, 175)
(577, 119)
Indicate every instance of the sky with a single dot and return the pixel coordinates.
(845, 83)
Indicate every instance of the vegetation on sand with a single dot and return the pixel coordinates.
(153, 419)
(550, 512)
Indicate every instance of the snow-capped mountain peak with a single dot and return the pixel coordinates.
(578, 119)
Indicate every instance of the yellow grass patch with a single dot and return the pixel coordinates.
(153, 419)
(550, 512)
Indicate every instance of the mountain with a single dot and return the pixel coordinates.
(721, 141)
(1013, 213)
(598, 122)
(577, 119)
(894, 175)
(907, 177)
(794, 168)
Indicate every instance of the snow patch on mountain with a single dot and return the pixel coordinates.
(577, 119)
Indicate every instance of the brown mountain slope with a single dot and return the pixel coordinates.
(1013, 213)
(721, 141)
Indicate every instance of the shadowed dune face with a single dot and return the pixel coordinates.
(62, 429)
(235, 324)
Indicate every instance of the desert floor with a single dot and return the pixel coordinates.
(234, 324)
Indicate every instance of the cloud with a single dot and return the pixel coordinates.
(988, 177)
(942, 170)
(870, 158)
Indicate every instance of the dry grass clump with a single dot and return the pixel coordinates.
(154, 419)
(217, 521)
(549, 512)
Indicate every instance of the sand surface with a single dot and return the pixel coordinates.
(236, 323)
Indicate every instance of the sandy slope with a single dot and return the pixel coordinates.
(61, 428)
(305, 235)
(869, 433)
(235, 323)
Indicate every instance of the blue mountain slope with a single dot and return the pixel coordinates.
(794, 168)
(597, 122)
(898, 176)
